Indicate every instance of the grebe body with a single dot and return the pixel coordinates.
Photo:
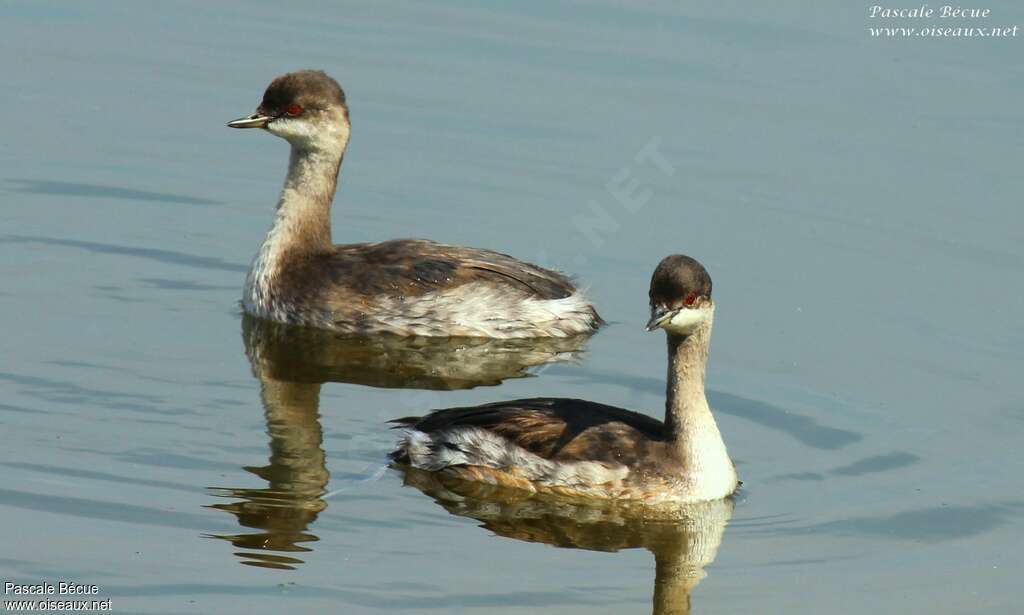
(581, 448)
(403, 287)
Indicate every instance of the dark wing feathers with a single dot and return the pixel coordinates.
(553, 428)
(410, 267)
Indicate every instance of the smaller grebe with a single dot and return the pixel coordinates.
(404, 286)
(581, 448)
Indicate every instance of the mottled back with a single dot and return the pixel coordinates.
(404, 268)
(556, 428)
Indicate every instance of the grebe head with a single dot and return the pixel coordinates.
(680, 295)
(307, 108)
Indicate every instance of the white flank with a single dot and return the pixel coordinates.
(484, 310)
(480, 447)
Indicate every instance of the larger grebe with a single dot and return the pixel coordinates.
(576, 447)
(406, 286)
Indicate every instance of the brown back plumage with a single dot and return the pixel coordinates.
(413, 267)
(555, 428)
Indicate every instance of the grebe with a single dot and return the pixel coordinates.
(405, 286)
(581, 448)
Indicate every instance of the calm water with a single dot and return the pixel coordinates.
(857, 201)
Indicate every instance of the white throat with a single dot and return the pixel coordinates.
(302, 223)
(709, 472)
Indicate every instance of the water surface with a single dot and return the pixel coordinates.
(855, 199)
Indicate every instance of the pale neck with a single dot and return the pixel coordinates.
(685, 401)
(693, 434)
(303, 220)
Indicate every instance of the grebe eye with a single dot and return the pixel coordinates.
(293, 109)
(690, 299)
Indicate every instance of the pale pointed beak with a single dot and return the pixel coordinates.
(256, 120)
(660, 316)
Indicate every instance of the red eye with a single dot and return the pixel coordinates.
(690, 299)
(293, 109)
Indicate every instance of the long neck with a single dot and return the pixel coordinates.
(303, 221)
(691, 427)
(685, 401)
(302, 225)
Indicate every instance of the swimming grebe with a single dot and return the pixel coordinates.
(582, 448)
(406, 286)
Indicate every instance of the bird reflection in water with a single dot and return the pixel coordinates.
(301, 354)
(291, 363)
(684, 539)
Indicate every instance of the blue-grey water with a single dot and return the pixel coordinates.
(856, 199)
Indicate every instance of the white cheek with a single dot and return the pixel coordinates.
(311, 133)
(686, 320)
(290, 130)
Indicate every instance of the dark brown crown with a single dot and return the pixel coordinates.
(677, 278)
(312, 89)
